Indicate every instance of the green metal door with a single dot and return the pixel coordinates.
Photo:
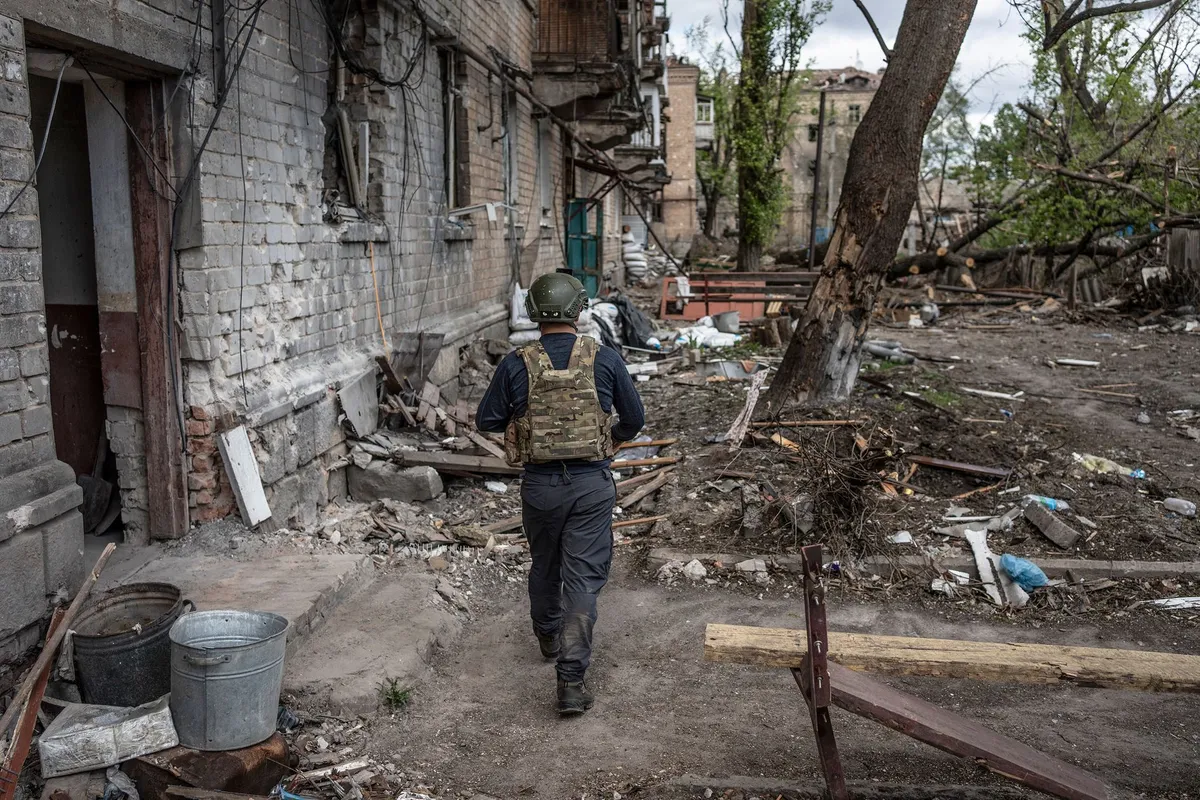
(583, 244)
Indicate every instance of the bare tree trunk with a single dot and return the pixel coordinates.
(749, 255)
(710, 217)
(821, 363)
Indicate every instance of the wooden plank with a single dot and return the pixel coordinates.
(430, 399)
(958, 466)
(196, 793)
(654, 443)
(1005, 662)
(629, 523)
(456, 462)
(390, 378)
(242, 468)
(1051, 526)
(983, 564)
(741, 424)
(809, 423)
(638, 480)
(650, 488)
(360, 403)
(503, 525)
(486, 444)
(53, 640)
(862, 695)
(448, 424)
(23, 735)
(644, 462)
(167, 497)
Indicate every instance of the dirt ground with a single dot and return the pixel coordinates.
(483, 721)
(479, 719)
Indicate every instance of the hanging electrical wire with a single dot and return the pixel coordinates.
(45, 138)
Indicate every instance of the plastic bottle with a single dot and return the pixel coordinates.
(1184, 508)
(1049, 502)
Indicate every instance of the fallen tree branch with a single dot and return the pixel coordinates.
(1102, 180)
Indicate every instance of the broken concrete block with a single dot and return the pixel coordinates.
(751, 565)
(383, 480)
(695, 570)
(452, 595)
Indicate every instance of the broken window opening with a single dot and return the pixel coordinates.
(854, 113)
(813, 130)
(509, 123)
(545, 147)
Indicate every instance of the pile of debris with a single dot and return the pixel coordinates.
(645, 267)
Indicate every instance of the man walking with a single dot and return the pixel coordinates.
(554, 400)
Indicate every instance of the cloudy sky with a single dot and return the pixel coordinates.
(993, 43)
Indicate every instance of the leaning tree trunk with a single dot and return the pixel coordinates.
(747, 129)
(878, 194)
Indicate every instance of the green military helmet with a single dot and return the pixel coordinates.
(556, 297)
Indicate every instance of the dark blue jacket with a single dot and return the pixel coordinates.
(508, 395)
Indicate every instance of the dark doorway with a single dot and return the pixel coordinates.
(69, 274)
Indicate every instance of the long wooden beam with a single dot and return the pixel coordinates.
(947, 658)
(945, 730)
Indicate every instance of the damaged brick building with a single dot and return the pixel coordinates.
(215, 210)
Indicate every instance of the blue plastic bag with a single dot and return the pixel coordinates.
(1024, 572)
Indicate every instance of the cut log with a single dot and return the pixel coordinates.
(954, 734)
(1005, 662)
(1051, 526)
(629, 523)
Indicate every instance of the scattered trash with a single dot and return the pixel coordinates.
(727, 321)
(1106, 466)
(119, 785)
(286, 721)
(901, 537)
(1028, 575)
(950, 587)
(1075, 362)
(1048, 502)
(1184, 508)
(929, 313)
(995, 395)
(498, 487)
(1172, 603)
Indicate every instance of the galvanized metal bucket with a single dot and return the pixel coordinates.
(226, 676)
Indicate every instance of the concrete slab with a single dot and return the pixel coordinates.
(304, 588)
(388, 632)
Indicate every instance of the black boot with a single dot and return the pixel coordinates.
(573, 698)
(549, 645)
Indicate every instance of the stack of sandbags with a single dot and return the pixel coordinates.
(522, 329)
(635, 258)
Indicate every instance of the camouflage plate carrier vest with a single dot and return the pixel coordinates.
(563, 420)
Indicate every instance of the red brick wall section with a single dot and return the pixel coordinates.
(210, 495)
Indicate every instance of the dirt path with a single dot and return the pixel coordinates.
(484, 721)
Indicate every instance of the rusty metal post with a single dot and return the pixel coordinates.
(813, 677)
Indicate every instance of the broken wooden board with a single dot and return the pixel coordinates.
(390, 378)
(737, 431)
(242, 468)
(486, 444)
(456, 462)
(958, 466)
(977, 539)
(431, 398)
(1051, 526)
(650, 488)
(360, 404)
(1005, 662)
(448, 424)
(643, 462)
(957, 735)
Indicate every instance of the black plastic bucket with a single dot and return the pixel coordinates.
(122, 644)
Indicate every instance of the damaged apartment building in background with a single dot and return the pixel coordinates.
(221, 212)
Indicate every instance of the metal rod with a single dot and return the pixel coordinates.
(812, 222)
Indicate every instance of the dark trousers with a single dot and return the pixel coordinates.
(568, 520)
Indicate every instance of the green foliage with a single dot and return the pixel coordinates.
(393, 695)
(1107, 124)
(765, 104)
(718, 80)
